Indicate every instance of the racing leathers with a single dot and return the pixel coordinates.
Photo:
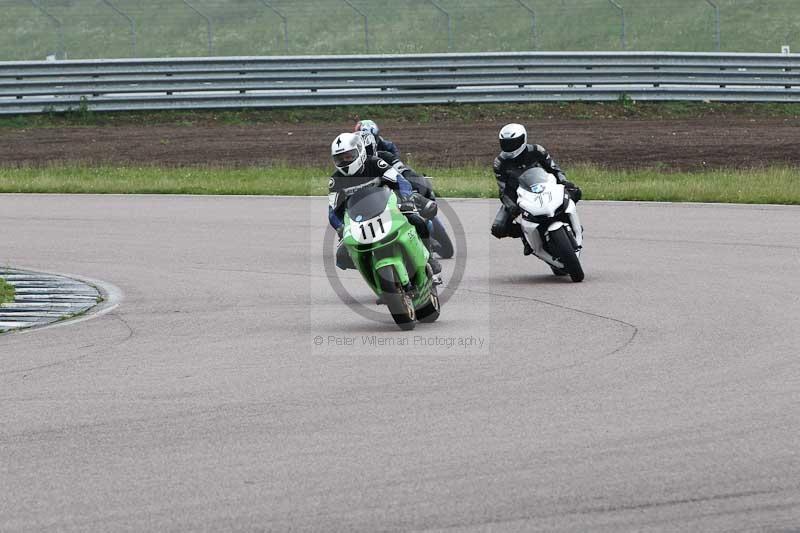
(374, 167)
(506, 172)
(385, 145)
(418, 182)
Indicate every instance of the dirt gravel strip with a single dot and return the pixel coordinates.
(42, 299)
(677, 144)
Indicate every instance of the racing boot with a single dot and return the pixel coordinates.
(436, 267)
(343, 259)
(526, 250)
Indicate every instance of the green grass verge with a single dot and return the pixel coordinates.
(621, 109)
(774, 185)
(245, 27)
(6, 292)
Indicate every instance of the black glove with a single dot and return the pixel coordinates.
(575, 193)
(427, 208)
(509, 204)
(408, 207)
(340, 231)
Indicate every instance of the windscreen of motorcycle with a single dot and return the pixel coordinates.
(370, 217)
(533, 177)
(368, 202)
(539, 194)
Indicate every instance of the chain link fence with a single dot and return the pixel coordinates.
(97, 29)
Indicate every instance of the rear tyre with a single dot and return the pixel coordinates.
(430, 311)
(443, 245)
(399, 303)
(563, 250)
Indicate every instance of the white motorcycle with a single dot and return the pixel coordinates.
(549, 222)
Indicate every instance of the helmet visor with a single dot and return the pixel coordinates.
(345, 159)
(510, 145)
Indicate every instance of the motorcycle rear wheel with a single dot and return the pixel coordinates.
(430, 311)
(442, 243)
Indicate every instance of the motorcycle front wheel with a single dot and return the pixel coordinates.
(562, 249)
(399, 303)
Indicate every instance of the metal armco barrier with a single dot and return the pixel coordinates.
(246, 82)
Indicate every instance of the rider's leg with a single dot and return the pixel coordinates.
(423, 230)
(503, 226)
(343, 259)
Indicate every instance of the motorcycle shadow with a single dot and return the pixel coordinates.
(373, 327)
(527, 279)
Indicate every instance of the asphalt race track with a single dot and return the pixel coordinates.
(231, 388)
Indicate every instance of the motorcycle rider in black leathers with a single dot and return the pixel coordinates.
(516, 157)
(419, 182)
(354, 167)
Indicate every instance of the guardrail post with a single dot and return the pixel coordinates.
(623, 34)
(529, 9)
(717, 36)
(449, 24)
(59, 26)
(285, 24)
(209, 27)
(366, 23)
(130, 21)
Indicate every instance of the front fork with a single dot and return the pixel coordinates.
(531, 233)
(577, 229)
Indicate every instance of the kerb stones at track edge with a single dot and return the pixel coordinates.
(41, 299)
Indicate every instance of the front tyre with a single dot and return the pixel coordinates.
(399, 303)
(561, 248)
(443, 245)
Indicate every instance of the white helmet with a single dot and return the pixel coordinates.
(349, 153)
(513, 139)
(370, 143)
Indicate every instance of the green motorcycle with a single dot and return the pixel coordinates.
(391, 257)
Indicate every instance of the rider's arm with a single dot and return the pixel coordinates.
(396, 181)
(498, 175)
(391, 147)
(549, 164)
(335, 204)
(335, 213)
(393, 161)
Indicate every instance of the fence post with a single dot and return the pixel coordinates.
(529, 9)
(285, 24)
(366, 23)
(130, 21)
(717, 37)
(209, 28)
(449, 24)
(58, 24)
(623, 35)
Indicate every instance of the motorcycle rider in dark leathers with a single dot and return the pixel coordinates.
(354, 167)
(516, 157)
(418, 181)
(384, 145)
